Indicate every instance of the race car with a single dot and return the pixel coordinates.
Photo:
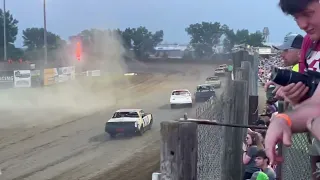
(214, 80)
(204, 92)
(219, 71)
(180, 97)
(129, 121)
(224, 66)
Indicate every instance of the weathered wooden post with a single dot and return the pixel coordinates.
(253, 109)
(231, 163)
(179, 150)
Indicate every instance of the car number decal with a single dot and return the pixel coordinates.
(146, 120)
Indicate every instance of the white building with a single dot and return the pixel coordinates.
(170, 51)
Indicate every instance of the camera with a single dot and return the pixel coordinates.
(285, 77)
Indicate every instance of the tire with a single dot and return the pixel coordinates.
(172, 106)
(190, 105)
(150, 125)
(141, 132)
(113, 135)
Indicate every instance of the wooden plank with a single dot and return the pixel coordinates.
(246, 74)
(179, 150)
(231, 164)
(253, 109)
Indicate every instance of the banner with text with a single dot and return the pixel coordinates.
(66, 73)
(35, 78)
(22, 78)
(6, 79)
(50, 76)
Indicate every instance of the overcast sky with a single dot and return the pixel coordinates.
(68, 17)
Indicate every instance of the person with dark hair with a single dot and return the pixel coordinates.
(290, 50)
(307, 16)
(262, 161)
(250, 148)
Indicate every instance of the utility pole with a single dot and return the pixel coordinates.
(45, 32)
(4, 31)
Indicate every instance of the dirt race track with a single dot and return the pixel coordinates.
(58, 144)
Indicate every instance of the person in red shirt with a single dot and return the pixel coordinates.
(307, 16)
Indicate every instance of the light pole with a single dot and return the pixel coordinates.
(4, 31)
(45, 33)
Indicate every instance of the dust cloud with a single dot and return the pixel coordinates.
(27, 107)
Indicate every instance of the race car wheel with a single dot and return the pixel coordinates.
(141, 131)
(113, 135)
(150, 125)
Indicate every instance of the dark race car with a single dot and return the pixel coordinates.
(204, 92)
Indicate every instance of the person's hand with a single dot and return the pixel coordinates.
(278, 131)
(269, 83)
(293, 93)
(277, 90)
(313, 127)
(244, 147)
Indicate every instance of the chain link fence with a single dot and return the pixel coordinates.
(297, 161)
(210, 140)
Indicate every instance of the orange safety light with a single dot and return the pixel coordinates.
(78, 51)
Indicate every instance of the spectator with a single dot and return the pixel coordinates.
(251, 147)
(262, 161)
(291, 50)
(307, 16)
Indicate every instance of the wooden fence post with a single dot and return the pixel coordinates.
(179, 150)
(231, 163)
(253, 109)
(238, 74)
(246, 66)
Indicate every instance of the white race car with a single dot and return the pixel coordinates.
(219, 71)
(214, 80)
(180, 97)
(129, 121)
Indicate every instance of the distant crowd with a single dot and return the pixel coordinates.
(257, 164)
(265, 66)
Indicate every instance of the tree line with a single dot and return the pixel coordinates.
(204, 37)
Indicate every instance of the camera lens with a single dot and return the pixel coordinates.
(284, 77)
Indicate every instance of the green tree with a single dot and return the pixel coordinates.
(204, 36)
(33, 39)
(144, 41)
(242, 36)
(230, 38)
(253, 39)
(11, 34)
(256, 39)
(126, 37)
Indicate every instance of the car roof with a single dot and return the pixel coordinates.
(180, 90)
(212, 77)
(128, 110)
(204, 85)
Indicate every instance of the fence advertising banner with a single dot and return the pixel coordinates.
(6, 79)
(66, 73)
(22, 78)
(35, 78)
(50, 76)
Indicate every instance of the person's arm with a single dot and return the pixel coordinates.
(305, 111)
(245, 157)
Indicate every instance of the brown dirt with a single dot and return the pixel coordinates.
(139, 167)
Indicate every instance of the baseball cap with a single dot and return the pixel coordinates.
(259, 175)
(291, 41)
